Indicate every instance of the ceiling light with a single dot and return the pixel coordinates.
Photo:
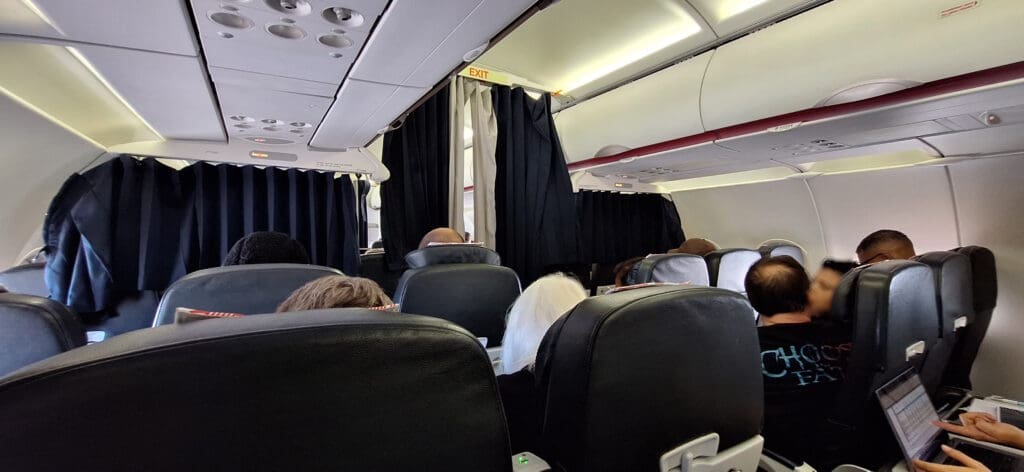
(85, 62)
(42, 15)
(49, 117)
(634, 51)
(730, 8)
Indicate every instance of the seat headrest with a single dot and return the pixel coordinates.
(34, 328)
(728, 267)
(667, 364)
(474, 296)
(247, 289)
(782, 249)
(983, 270)
(26, 279)
(673, 268)
(344, 389)
(452, 254)
(954, 284)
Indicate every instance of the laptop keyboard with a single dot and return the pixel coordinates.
(994, 460)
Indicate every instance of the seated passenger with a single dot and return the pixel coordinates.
(696, 246)
(543, 302)
(337, 291)
(266, 247)
(802, 361)
(823, 287)
(441, 236)
(979, 426)
(884, 245)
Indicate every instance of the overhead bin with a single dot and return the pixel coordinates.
(851, 44)
(361, 110)
(662, 106)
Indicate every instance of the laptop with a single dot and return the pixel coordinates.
(910, 414)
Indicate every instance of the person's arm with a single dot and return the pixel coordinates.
(969, 464)
(984, 427)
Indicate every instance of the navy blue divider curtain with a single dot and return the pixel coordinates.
(616, 226)
(415, 199)
(363, 187)
(130, 224)
(536, 216)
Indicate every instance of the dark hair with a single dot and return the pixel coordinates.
(777, 285)
(883, 236)
(266, 247)
(839, 266)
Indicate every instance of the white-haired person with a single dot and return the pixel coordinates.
(543, 302)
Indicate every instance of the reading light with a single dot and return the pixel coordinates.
(634, 51)
(85, 62)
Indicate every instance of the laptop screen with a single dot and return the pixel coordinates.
(910, 413)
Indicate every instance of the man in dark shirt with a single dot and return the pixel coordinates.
(802, 361)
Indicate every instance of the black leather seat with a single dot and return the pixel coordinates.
(26, 279)
(773, 249)
(629, 376)
(246, 289)
(892, 312)
(954, 289)
(727, 268)
(34, 328)
(374, 266)
(462, 284)
(985, 290)
(672, 268)
(348, 389)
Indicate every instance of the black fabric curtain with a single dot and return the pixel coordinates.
(130, 224)
(363, 188)
(536, 218)
(615, 226)
(415, 199)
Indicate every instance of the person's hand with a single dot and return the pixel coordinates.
(969, 465)
(984, 427)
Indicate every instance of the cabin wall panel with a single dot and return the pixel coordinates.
(989, 194)
(914, 200)
(37, 157)
(747, 215)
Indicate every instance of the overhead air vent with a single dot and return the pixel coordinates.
(291, 7)
(343, 17)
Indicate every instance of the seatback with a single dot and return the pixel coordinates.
(629, 376)
(26, 279)
(773, 249)
(955, 299)
(374, 266)
(461, 284)
(344, 389)
(246, 289)
(892, 310)
(673, 268)
(727, 268)
(34, 328)
(985, 290)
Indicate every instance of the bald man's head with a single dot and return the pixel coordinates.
(695, 246)
(441, 235)
(884, 245)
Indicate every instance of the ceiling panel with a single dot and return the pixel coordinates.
(672, 165)
(251, 113)
(729, 16)
(163, 25)
(361, 110)
(579, 46)
(243, 78)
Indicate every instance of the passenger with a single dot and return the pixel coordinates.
(975, 425)
(802, 361)
(543, 302)
(441, 235)
(622, 270)
(266, 247)
(337, 291)
(696, 246)
(884, 245)
(823, 287)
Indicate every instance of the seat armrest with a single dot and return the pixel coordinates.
(702, 455)
(529, 462)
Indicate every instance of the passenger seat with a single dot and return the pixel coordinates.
(35, 328)
(955, 299)
(246, 289)
(728, 268)
(671, 268)
(628, 378)
(985, 291)
(463, 284)
(779, 248)
(345, 389)
(26, 279)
